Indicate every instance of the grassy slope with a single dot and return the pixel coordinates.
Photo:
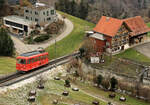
(73, 40)
(7, 65)
(148, 24)
(54, 90)
(96, 91)
(134, 55)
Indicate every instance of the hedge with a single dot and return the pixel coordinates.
(42, 38)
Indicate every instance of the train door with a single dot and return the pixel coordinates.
(27, 64)
(34, 65)
(42, 62)
(21, 64)
(45, 59)
(36, 62)
(30, 64)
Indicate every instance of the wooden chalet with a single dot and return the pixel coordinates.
(113, 35)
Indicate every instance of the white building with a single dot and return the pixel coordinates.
(17, 24)
(40, 13)
(33, 15)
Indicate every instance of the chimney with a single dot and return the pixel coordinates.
(107, 19)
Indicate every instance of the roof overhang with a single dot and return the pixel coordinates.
(98, 36)
(18, 19)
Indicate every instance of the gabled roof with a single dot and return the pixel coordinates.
(136, 25)
(108, 26)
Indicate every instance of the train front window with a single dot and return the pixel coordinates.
(21, 61)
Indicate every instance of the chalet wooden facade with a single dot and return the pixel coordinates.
(113, 35)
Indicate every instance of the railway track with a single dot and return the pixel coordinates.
(16, 77)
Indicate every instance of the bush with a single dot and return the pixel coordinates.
(99, 79)
(82, 51)
(30, 40)
(54, 27)
(35, 32)
(114, 83)
(67, 83)
(42, 38)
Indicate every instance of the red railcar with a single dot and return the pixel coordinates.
(31, 60)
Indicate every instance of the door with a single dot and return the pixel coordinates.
(122, 47)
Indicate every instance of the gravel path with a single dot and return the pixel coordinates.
(22, 48)
(144, 49)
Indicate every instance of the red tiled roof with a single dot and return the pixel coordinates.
(136, 25)
(108, 26)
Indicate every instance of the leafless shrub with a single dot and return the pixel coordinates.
(41, 79)
(89, 47)
(54, 27)
(106, 83)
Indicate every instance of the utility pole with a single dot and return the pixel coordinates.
(55, 48)
(55, 52)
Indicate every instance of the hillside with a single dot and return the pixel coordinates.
(73, 41)
(118, 8)
(92, 10)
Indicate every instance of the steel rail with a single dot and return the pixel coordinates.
(16, 77)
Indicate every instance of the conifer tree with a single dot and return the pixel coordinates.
(1, 3)
(6, 44)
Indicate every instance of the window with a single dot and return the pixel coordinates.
(36, 20)
(29, 61)
(32, 60)
(36, 13)
(48, 18)
(43, 13)
(37, 58)
(27, 17)
(26, 11)
(52, 12)
(13, 24)
(31, 18)
(47, 13)
(21, 61)
(44, 56)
